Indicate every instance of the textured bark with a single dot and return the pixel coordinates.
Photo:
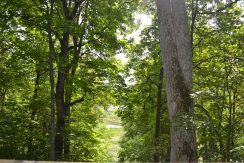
(158, 113)
(66, 71)
(175, 43)
(68, 95)
(60, 124)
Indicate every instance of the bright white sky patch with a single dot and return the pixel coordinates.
(142, 20)
(122, 57)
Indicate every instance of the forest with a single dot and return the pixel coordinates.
(167, 75)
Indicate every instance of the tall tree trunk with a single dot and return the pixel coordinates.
(69, 92)
(158, 114)
(63, 104)
(175, 43)
(60, 116)
(60, 124)
(51, 74)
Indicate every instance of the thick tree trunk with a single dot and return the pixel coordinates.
(60, 115)
(60, 105)
(175, 43)
(158, 114)
(63, 97)
(68, 95)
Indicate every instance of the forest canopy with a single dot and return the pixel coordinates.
(178, 87)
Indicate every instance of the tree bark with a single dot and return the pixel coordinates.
(60, 89)
(175, 43)
(63, 97)
(66, 71)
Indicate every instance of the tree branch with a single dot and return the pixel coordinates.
(204, 110)
(74, 12)
(65, 8)
(222, 8)
(76, 101)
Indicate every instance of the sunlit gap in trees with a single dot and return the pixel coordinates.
(213, 22)
(142, 20)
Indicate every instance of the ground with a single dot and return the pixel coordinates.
(115, 132)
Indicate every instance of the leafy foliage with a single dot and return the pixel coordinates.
(96, 79)
(140, 102)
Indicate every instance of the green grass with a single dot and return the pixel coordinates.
(115, 134)
(112, 118)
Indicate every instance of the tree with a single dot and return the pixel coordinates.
(82, 39)
(177, 58)
(65, 51)
(218, 66)
(144, 111)
(51, 74)
(80, 36)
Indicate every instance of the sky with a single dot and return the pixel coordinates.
(143, 20)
